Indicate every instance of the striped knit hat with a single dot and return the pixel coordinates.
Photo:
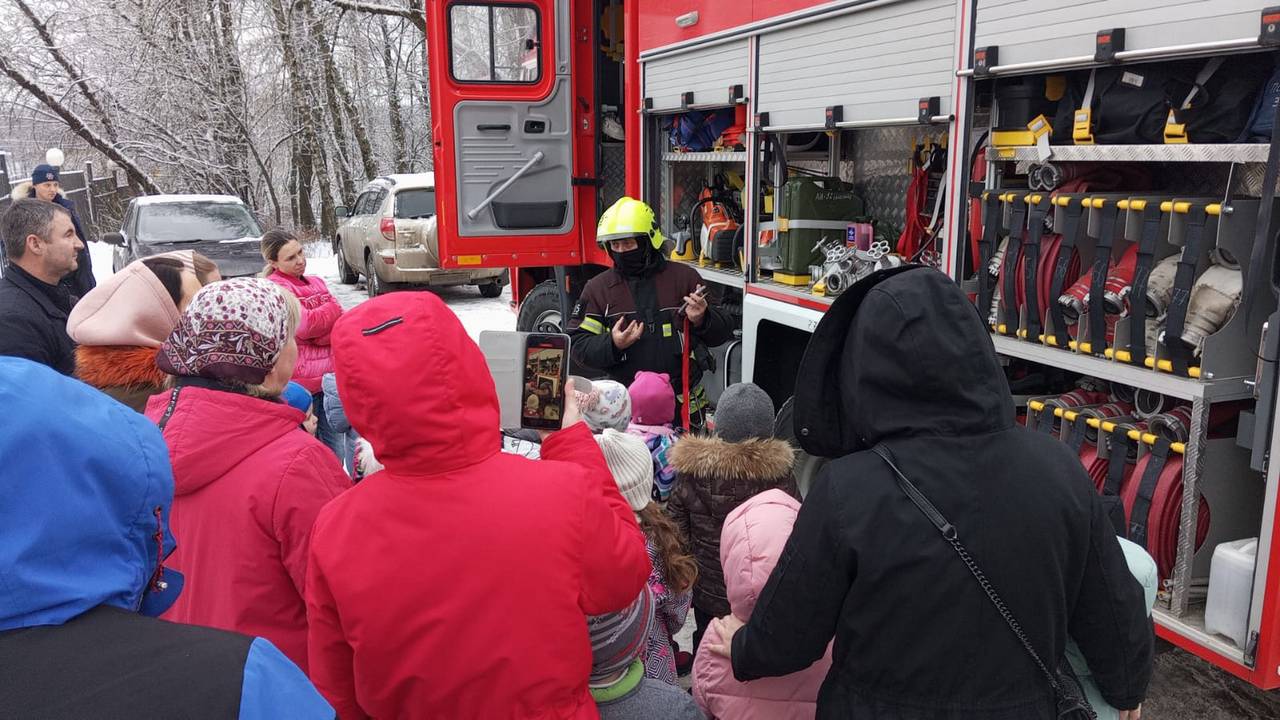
(618, 639)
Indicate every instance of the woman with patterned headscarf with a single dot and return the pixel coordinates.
(248, 482)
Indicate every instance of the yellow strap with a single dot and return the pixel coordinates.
(592, 325)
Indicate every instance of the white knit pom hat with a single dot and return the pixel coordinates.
(631, 464)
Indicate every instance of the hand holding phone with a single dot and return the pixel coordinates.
(695, 305)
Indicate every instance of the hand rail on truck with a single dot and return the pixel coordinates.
(1143, 54)
(537, 158)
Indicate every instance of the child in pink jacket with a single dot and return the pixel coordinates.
(752, 541)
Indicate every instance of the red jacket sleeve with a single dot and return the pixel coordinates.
(615, 562)
(312, 479)
(328, 653)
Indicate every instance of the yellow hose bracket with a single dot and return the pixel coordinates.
(1036, 405)
(1062, 201)
(1094, 422)
(1082, 127)
(1175, 133)
(1070, 416)
(1215, 209)
(1108, 427)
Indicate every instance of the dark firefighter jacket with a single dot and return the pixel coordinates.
(655, 300)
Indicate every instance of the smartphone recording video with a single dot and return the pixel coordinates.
(545, 379)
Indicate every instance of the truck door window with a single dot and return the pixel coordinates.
(495, 43)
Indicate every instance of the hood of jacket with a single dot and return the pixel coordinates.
(716, 459)
(902, 353)
(129, 308)
(415, 385)
(209, 432)
(751, 544)
(83, 479)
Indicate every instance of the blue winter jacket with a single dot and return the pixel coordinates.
(85, 495)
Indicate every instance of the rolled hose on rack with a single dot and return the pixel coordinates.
(1099, 468)
(1050, 247)
(1119, 282)
(1164, 514)
(1174, 425)
(1213, 300)
(1147, 403)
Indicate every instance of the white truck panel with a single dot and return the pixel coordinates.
(876, 62)
(1041, 30)
(706, 72)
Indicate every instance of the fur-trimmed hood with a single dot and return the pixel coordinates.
(118, 366)
(714, 458)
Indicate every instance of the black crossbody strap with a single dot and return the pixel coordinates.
(949, 534)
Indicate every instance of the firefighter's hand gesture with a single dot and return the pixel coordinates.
(626, 336)
(695, 306)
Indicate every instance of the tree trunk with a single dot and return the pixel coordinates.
(392, 72)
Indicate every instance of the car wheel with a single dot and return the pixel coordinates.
(373, 283)
(807, 466)
(540, 310)
(346, 275)
(491, 290)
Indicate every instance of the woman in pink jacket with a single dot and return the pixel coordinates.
(752, 541)
(287, 267)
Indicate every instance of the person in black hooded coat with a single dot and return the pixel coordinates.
(902, 360)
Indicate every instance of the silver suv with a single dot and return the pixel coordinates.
(389, 236)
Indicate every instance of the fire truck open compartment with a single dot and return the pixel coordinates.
(922, 111)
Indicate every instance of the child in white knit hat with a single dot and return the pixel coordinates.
(674, 570)
(607, 405)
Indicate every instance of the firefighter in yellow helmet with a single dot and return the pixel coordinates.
(628, 318)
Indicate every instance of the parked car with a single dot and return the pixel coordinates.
(221, 227)
(389, 236)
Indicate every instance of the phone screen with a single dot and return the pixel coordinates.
(545, 377)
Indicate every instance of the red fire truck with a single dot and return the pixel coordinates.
(1098, 176)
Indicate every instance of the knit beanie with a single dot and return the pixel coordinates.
(297, 396)
(745, 412)
(618, 639)
(44, 174)
(631, 464)
(607, 405)
(653, 401)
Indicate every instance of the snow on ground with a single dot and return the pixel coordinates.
(477, 313)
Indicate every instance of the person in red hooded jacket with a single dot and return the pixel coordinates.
(248, 483)
(456, 582)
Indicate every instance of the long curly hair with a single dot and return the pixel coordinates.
(678, 566)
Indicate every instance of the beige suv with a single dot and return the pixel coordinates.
(389, 236)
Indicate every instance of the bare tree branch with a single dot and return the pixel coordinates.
(78, 126)
(77, 77)
(414, 15)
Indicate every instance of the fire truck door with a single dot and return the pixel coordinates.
(503, 114)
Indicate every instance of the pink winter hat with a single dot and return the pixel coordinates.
(653, 401)
(129, 308)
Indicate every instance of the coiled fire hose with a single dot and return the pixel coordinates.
(1152, 497)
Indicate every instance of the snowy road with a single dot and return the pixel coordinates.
(477, 313)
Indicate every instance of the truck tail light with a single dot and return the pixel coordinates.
(388, 228)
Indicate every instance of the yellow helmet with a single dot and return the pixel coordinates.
(629, 218)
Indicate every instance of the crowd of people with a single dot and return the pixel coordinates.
(179, 446)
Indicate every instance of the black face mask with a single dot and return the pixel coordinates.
(632, 263)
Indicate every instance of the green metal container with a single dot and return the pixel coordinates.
(810, 209)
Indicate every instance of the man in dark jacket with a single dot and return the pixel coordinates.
(41, 246)
(628, 318)
(46, 185)
(903, 361)
(84, 527)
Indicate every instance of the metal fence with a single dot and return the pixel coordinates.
(99, 201)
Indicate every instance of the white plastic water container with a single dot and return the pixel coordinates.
(1226, 611)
